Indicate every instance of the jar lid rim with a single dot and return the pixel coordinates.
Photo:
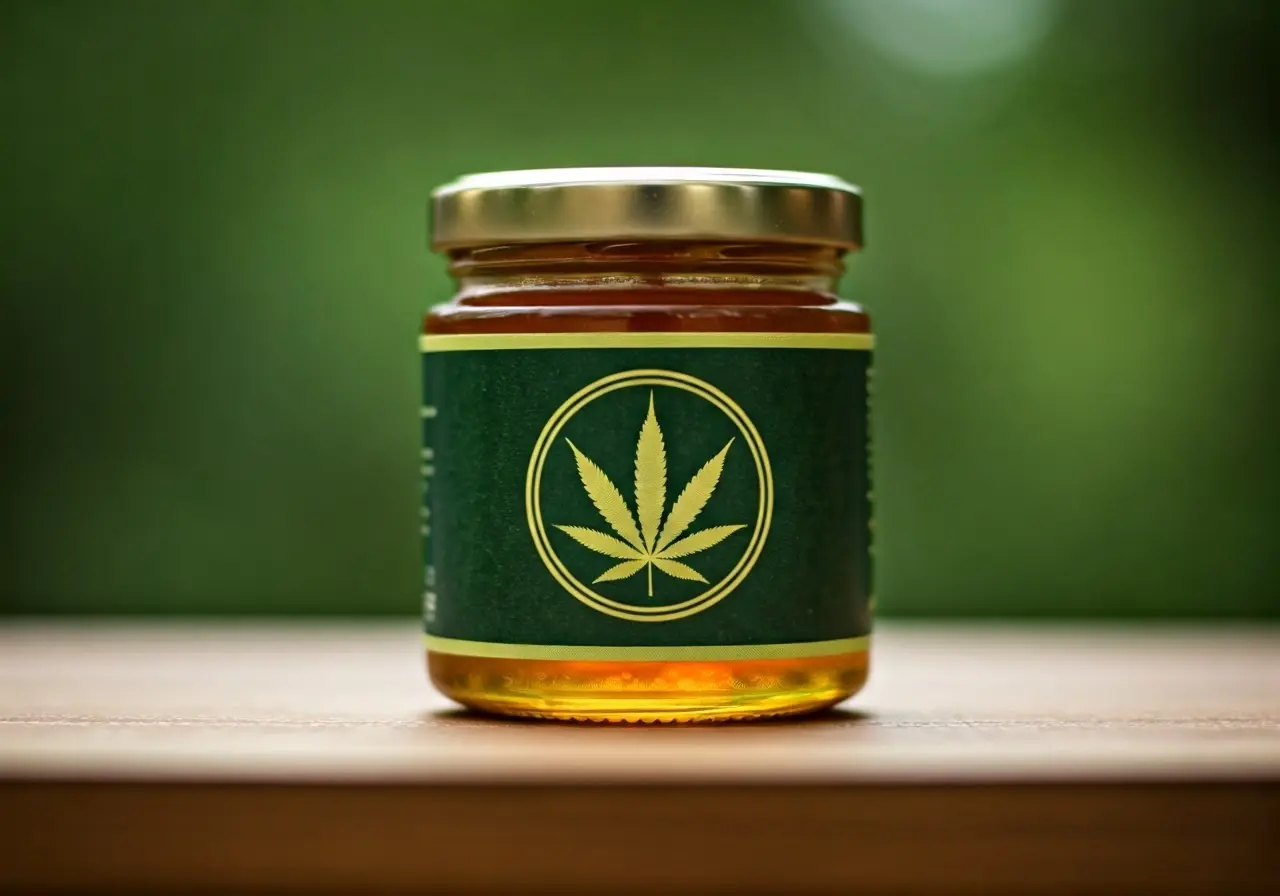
(642, 176)
(656, 203)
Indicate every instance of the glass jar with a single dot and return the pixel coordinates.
(645, 457)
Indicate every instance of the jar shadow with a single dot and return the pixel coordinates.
(835, 717)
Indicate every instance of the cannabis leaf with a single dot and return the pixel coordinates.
(649, 543)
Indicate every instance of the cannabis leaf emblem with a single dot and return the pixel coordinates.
(643, 541)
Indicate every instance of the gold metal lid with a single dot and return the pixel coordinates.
(580, 204)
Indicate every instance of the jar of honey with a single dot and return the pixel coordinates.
(645, 445)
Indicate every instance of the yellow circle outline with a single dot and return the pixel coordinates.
(533, 483)
(727, 407)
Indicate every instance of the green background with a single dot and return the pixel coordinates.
(214, 265)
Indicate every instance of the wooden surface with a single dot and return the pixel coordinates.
(316, 756)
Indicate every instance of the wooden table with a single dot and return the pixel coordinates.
(315, 757)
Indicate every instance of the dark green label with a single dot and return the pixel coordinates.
(646, 495)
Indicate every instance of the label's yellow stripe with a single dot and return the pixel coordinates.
(492, 341)
(490, 650)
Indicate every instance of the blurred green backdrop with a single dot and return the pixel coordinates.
(214, 266)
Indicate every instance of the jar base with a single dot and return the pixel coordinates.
(648, 692)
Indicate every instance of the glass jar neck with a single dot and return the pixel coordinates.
(648, 272)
